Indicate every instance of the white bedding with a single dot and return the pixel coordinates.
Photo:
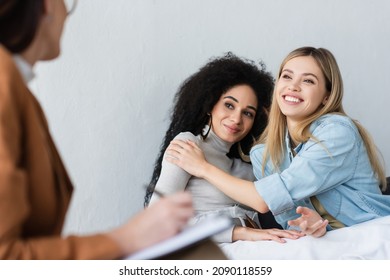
(369, 240)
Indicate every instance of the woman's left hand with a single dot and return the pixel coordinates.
(310, 222)
(187, 155)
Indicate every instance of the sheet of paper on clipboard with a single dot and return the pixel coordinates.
(192, 234)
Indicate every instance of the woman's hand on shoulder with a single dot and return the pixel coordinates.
(187, 155)
(274, 234)
(310, 222)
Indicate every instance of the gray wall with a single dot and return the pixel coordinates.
(107, 97)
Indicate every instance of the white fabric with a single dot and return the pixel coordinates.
(24, 68)
(369, 240)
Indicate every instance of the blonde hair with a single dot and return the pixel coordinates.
(274, 134)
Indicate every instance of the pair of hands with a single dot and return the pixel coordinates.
(310, 223)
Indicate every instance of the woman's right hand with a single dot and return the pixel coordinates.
(163, 219)
(274, 234)
(188, 156)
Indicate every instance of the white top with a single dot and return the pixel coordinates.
(207, 199)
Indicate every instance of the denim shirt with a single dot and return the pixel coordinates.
(336, 170)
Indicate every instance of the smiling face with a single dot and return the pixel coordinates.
(300, 90)
(233, 115)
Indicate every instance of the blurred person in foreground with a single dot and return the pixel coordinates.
(35, 189)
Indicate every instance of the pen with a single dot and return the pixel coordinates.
(160, 194)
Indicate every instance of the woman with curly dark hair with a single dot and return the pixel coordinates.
(223, 107)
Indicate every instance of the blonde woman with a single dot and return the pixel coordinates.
(311, 156)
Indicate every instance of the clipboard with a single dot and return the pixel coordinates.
(190, 235)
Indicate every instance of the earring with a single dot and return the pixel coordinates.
(243, 156)
(204, 135)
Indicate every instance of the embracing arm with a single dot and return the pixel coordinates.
(240, 190)
(188, 156)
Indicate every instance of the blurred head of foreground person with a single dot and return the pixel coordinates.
(35, 189)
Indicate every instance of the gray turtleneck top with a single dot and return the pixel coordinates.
(207, 199)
